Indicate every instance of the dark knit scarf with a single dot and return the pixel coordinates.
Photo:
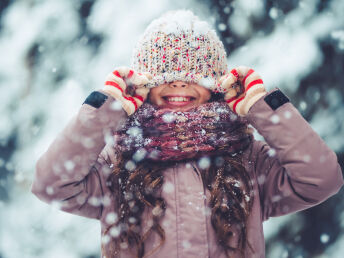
(167, 135)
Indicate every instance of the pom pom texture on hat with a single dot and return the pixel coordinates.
(178, 46)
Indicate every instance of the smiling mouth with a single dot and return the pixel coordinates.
(178, 100)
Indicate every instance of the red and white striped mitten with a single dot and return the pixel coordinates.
(253, 89)
(116, 85)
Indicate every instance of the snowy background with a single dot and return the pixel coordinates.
(54, 53)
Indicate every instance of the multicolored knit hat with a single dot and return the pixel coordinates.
(178, 46)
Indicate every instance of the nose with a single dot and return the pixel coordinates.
(178, 84)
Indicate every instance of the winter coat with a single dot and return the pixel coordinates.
(292, 170)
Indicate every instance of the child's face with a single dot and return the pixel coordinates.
(179, 95)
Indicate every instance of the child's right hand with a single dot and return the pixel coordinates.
(131, 96)
(240, 99)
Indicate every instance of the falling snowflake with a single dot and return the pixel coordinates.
(303, 105)
(134, 131)
(88, 142)
(271, 152)
(132, 220)
(94, 201)
(69, 165)
(339, 35)
(106, 201)
(169, 117)
(324, 238)
(49, 190)
(116, 105)
(222, 27)
(115, 231)
(139, 154)
(306, 158)
(275, 119)
(261, 179)
(168, 187)
(130, 165)
(111, 218)
(186, 244)
(276, 198)
(273, 13)
(128, 196)
(105, 239)
(287, 114)
(204, 163)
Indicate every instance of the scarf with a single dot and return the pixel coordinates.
(168, 135)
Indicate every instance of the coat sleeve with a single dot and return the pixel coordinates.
(294, 167)
(72, 172)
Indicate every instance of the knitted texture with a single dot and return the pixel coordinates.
(179, 46)
(117, 83)
(167, 135)
(243, 87)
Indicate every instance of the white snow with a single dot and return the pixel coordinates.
(168, 187)
(130, 165)
(324, 238)
(40, 93)
(207, 82)
(176, 22)
(139, 154)
(169, 117)
(204, 162)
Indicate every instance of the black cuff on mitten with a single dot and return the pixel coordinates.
(276, 99)
(95, 99)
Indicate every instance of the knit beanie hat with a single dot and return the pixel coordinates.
(178, 46)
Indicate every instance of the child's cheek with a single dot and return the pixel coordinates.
(154, 99)
(158, 101)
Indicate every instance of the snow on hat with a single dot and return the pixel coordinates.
(179, 46)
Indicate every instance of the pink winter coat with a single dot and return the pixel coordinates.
(292, 171)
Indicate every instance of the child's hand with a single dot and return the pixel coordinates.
(243, 87)
(132, 95)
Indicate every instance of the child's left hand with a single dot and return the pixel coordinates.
(243, 87)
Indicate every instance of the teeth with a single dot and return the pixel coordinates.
(172, 99)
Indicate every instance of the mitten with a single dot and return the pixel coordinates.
(243, 87)
(127, 87)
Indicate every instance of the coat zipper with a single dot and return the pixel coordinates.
(193, 164)
(176, 196)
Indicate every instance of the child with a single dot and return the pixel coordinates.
(164, 158)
